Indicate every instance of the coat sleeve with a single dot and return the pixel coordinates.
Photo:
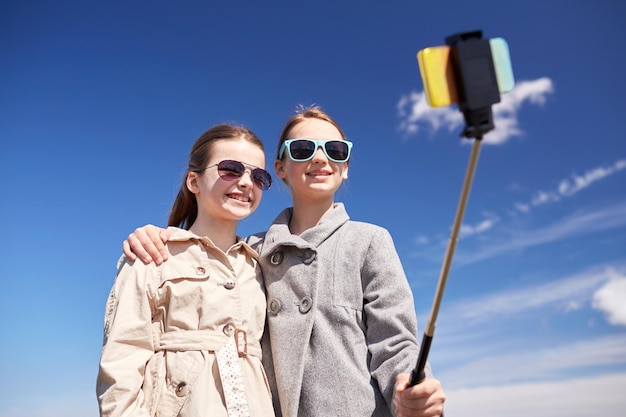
(389, 310)
(128, 343)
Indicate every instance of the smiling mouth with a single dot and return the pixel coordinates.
(318, 174)
(239, 197)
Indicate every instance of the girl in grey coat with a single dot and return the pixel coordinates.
(341, 320)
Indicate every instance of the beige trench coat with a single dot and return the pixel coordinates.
(163, 325)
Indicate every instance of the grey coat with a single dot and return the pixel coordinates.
(341, 317)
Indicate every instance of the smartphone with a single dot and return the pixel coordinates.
(438, 76)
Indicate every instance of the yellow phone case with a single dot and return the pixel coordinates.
(437, 76)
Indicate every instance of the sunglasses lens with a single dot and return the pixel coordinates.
(301, 150)
(262, 178)
(230, 170)
(337, 150)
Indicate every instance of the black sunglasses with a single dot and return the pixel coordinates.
(231, 170)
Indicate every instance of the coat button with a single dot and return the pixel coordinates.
(309, 256)
(229, 284)
(228, 329)
(200, 270)
(305, 305)
(273, 306)
(182, 389)
(276, 258)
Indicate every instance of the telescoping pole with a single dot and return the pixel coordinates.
(417, 375)
(471, 75)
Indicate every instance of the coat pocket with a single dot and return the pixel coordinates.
(181, 371)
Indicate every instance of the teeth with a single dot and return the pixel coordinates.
(239, 197)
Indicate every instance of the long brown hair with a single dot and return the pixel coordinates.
(185, 208)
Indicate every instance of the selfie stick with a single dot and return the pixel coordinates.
(477, 87)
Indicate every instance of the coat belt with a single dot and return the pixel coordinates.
(211, 340)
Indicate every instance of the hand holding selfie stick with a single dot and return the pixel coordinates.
(470, 75)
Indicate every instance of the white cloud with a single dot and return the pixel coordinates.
(577, 224)
(414, 112)
(419, 112)
(468, 230)
(611, 299)
(560, 293)
(534, 91)
(528, 361)
(573, 306)
(572, 185)
(582, 397)
(542, 197)
(524, 208)
(498, 366)
(569, 187)
(491, 340)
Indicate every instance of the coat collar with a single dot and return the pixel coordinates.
(279, 235)
(182, 235)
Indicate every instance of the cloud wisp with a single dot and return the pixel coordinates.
(486, 347)
(578, 397)
(483, 226)
(604, 284)
(496, 330)
(570, 186)
(554, 362)
(415, 113)
(580, 223)
(576, 224)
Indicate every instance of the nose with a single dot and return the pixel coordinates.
(319, 155)
(245, 181)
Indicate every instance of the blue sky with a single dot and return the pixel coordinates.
(101, 102)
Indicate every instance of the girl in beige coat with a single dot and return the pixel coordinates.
(183, 338)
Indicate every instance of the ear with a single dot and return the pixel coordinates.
(279, 167)
(344, 174)
(192, 182)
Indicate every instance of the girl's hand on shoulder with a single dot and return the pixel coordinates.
(148, 244)
(422, 400)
